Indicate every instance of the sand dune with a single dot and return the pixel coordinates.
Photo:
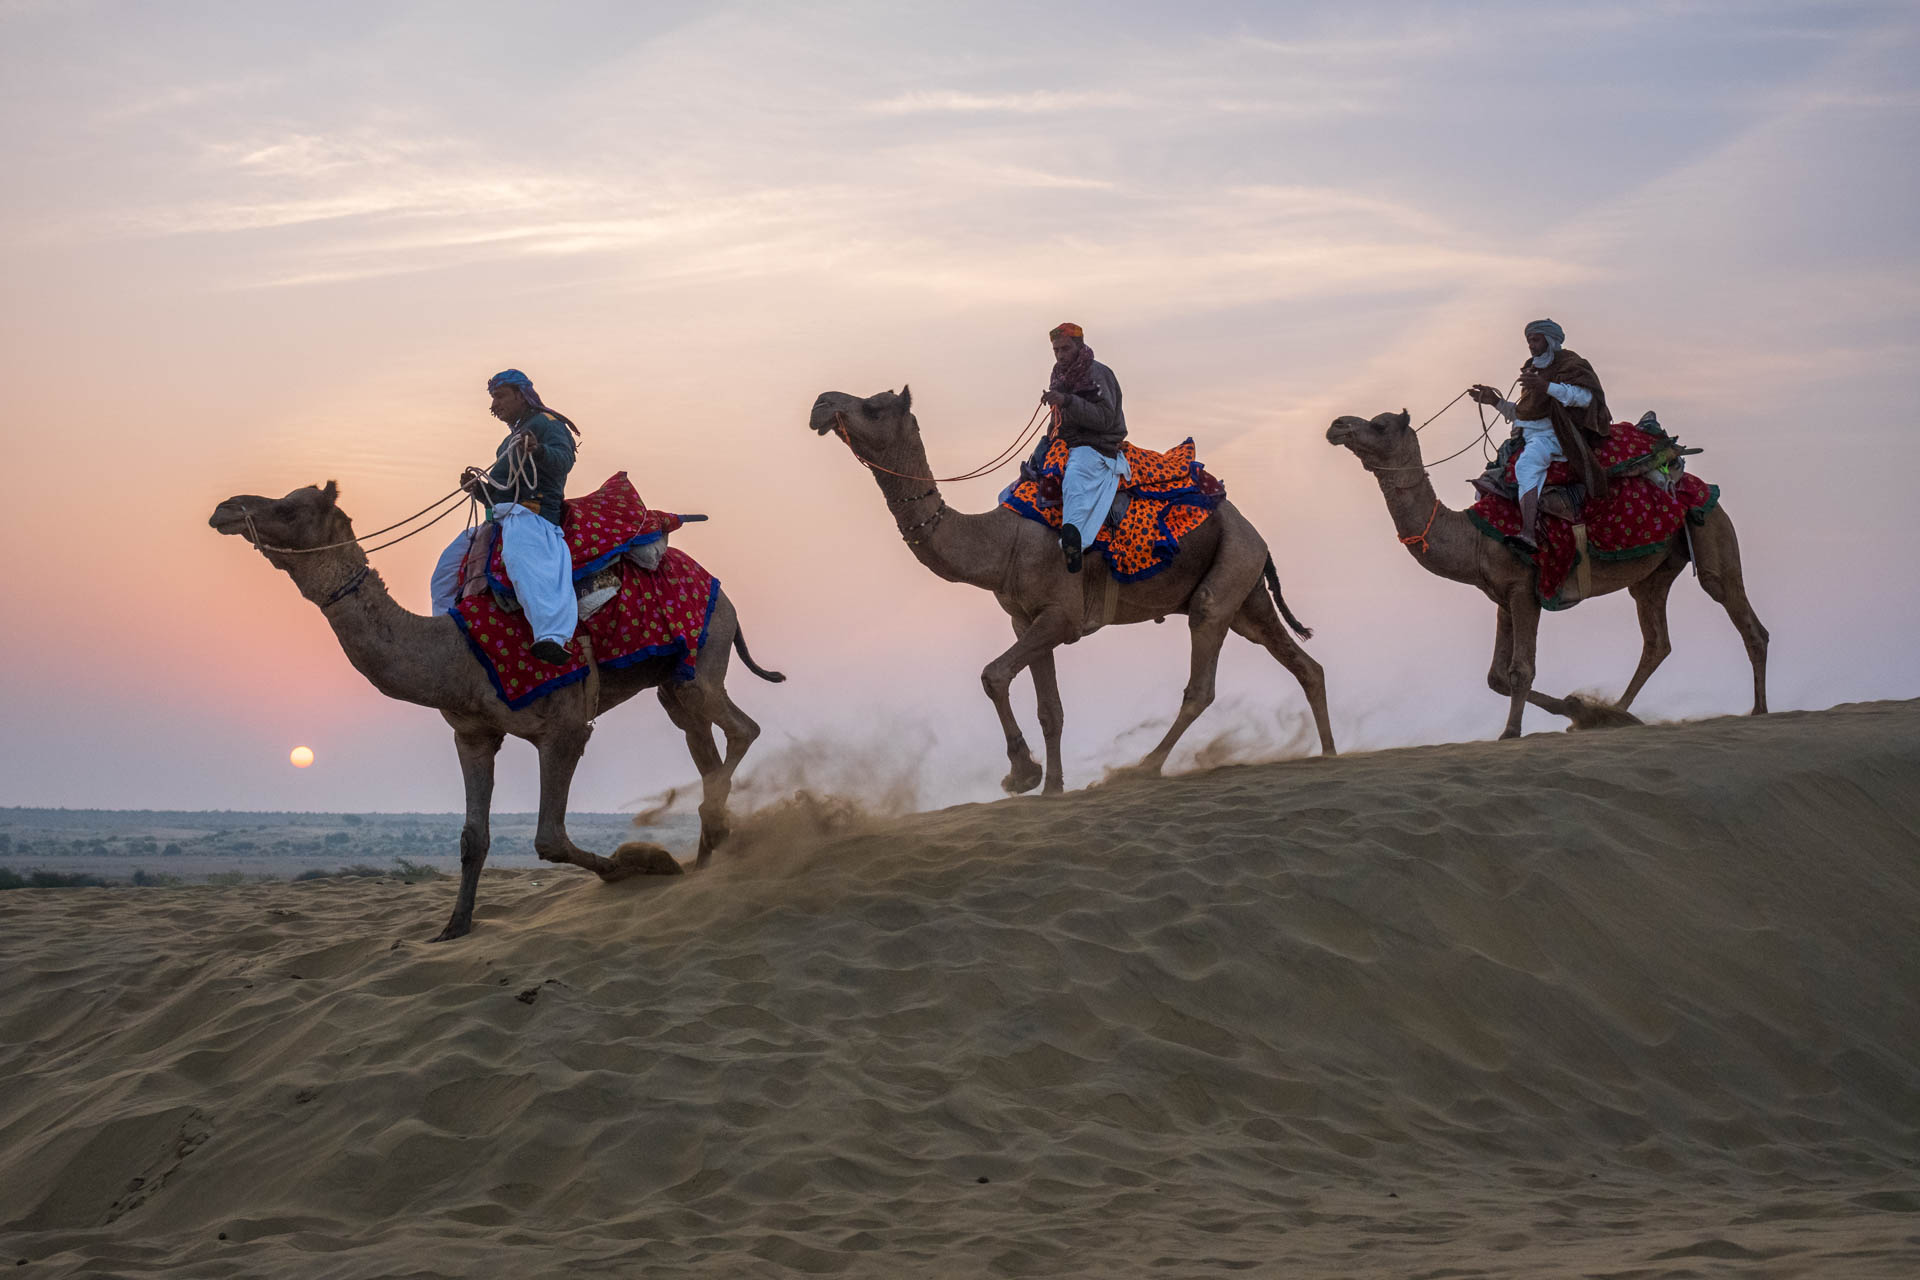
(1643, 1003)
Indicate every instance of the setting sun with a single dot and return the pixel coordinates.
(301, 757)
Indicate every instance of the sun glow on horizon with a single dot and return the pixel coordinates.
(300, 757)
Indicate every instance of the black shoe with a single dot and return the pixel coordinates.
(1070, 543)
(552, 653)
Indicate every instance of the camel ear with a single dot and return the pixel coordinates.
(906, 398)
(330, 494)
(1405, 417)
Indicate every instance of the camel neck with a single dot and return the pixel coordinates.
(1439, 538)
(403, 654)
(939, 537)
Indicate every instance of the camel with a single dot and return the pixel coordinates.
(1447, 543)
(426, 660)
(1216, 580)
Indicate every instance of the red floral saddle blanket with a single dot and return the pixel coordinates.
(663, 612)
(1168, 496)
(1639, 516)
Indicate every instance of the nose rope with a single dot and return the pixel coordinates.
(253, 530)
(1027, 433)
(1484, 436)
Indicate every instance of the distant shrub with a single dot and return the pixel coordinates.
(154, 879)
(411, 871)
(52, 880)
(171, 851)
(227, 877)
(338, 837)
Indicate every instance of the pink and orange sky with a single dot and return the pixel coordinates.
(249, 247)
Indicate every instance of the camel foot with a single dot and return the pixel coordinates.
(1590, 713)
(1054, 787)
(1510, 733)
(1023, 777)
(456, 928)
(638, 858)
(1145, 770)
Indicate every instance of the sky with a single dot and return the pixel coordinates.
(249, 248)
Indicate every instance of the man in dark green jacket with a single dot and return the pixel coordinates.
(524, 490)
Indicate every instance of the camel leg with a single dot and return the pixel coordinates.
(1716, 550)
(477, 752)
(1656, 640)
(1499, 675)
(693, 708)
(1053, 718)
(560, 754)
(1521, 618)
(1050, 628)
(1207, 623)
(1260, 622)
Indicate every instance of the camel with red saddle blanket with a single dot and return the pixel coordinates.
(1213, 575)
(1466, 547)
(457, 665)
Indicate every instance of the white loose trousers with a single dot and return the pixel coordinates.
(538, 564)
(1088, 488)
(1542, 448)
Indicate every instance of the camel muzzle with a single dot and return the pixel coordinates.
(228, 517)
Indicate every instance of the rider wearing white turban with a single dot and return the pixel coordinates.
(1561, 407)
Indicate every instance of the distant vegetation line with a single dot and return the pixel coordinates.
(144, 879)
(32, 835)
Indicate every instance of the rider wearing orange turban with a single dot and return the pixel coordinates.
(1086, 414)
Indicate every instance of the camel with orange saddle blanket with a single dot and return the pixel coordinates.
(1653, 520)
(1181, 547)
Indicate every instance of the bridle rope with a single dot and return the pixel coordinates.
(1006, 455)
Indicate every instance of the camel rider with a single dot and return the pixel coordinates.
(1561, 409)
(1085, 397)
(523, 491)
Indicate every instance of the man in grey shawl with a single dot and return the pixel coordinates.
(1085, 397)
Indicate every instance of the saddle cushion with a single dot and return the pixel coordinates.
(663, 613)
(1639, 516)
(1168, 496)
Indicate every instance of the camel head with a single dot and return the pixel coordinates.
(1386, 440)
(305, 518)
(871, 426)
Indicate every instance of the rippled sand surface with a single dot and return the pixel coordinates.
(1643, 1003)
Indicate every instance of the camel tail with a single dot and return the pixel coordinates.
(1273, 585)
(740, 647)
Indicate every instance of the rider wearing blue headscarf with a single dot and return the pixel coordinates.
(524, 491)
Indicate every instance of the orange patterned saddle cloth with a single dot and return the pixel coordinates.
(1168, 496)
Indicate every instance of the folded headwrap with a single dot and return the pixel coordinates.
(1069, 328)
(515, 378)
(1549, 330)
(1075, 373)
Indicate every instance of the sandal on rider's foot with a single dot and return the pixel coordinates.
(552, 652)
(1070, 543)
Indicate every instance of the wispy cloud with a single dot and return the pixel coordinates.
(1031, 102)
